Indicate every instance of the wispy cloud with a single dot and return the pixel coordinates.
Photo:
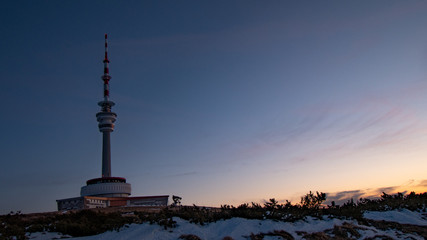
(367, 124)
(344, 196)
(423, 183)
(184, 174)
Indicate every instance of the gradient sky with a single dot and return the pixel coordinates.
(219, 102)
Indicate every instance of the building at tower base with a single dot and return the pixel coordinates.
(90, 202)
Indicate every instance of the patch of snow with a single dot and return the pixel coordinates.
(370, 232)
(403, 216)
(47, 235)
(241, 229)
(237, 228)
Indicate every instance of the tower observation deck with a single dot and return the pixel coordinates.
(106, 185)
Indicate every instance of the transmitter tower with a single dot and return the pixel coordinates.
(106, 185)
(109, 191)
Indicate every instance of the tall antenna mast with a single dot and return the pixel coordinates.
(106, 77)
(106, 118)
(106, 185)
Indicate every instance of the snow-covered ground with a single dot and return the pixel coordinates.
(239, 228)
(403, 216)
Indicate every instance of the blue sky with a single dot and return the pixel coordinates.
(220, 102)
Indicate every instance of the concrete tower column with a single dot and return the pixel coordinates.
(106, 155)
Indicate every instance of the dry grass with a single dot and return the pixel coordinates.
(346, 231)
(189, 237)
(379, 237)
(405, 228)
(227, 238)
(279, 233)
(316, 236)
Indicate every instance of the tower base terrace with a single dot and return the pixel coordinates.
(106, 187)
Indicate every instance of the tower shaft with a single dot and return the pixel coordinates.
(106, 155)
(106, 185)
(106, 118)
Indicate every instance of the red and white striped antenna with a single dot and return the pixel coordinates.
(106, 77)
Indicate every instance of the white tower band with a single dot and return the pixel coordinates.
(106, 186)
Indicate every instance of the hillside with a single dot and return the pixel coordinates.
(398, 225)
(390, 217)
